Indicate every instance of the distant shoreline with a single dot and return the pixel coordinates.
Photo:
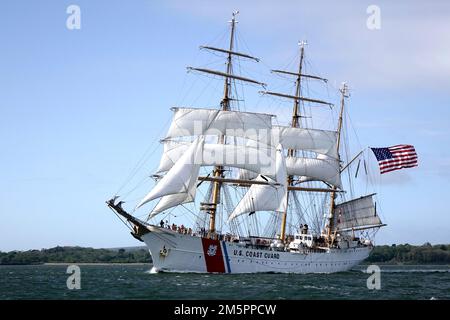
(149, 264)
(78, 255)
(95, 263)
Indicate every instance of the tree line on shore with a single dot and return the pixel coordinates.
(409, 254)
(393, 254)
(76, 255)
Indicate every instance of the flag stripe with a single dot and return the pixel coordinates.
(397, 168)
(402, 147)
(401, 158)
(403, 151)
(402, 154)
(397, 161)
(398, 164)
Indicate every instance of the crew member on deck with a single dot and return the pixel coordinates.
(305, 229)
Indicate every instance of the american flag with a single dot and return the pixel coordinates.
(396, 157)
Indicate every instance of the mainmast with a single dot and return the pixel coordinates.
(225, 104)
(296, 116)
(344, 94)
(295, 123)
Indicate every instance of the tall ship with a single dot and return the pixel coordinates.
(237, 192)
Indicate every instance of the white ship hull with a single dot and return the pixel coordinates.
(175, 252)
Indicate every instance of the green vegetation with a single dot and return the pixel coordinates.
(408, 254)
(76, 255)
(395, 254)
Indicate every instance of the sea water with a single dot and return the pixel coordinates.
(137, 282)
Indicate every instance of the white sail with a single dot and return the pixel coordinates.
(321, 169)
(320, 141)
(180, 178)
(172, 151)
(173, 200)
(265, 197)
(192, 122)
(257, 160)
(356, 213)
(244, 174)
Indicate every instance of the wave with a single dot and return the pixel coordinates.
(410, 270)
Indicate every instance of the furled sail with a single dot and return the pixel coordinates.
(180, 179)
(266, 197)
(356, 213)
(192, 122)
(320, 141)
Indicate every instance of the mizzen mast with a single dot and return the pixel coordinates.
(330, 227)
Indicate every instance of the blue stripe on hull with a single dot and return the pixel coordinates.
(225, 252)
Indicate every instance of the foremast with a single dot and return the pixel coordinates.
(225, 104)
(217, 178)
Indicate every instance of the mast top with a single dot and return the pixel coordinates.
(233, 17)
(302, 43)
(344, 90)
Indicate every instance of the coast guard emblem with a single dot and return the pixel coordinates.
(212, 249)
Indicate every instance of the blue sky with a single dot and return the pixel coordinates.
(79, 107)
